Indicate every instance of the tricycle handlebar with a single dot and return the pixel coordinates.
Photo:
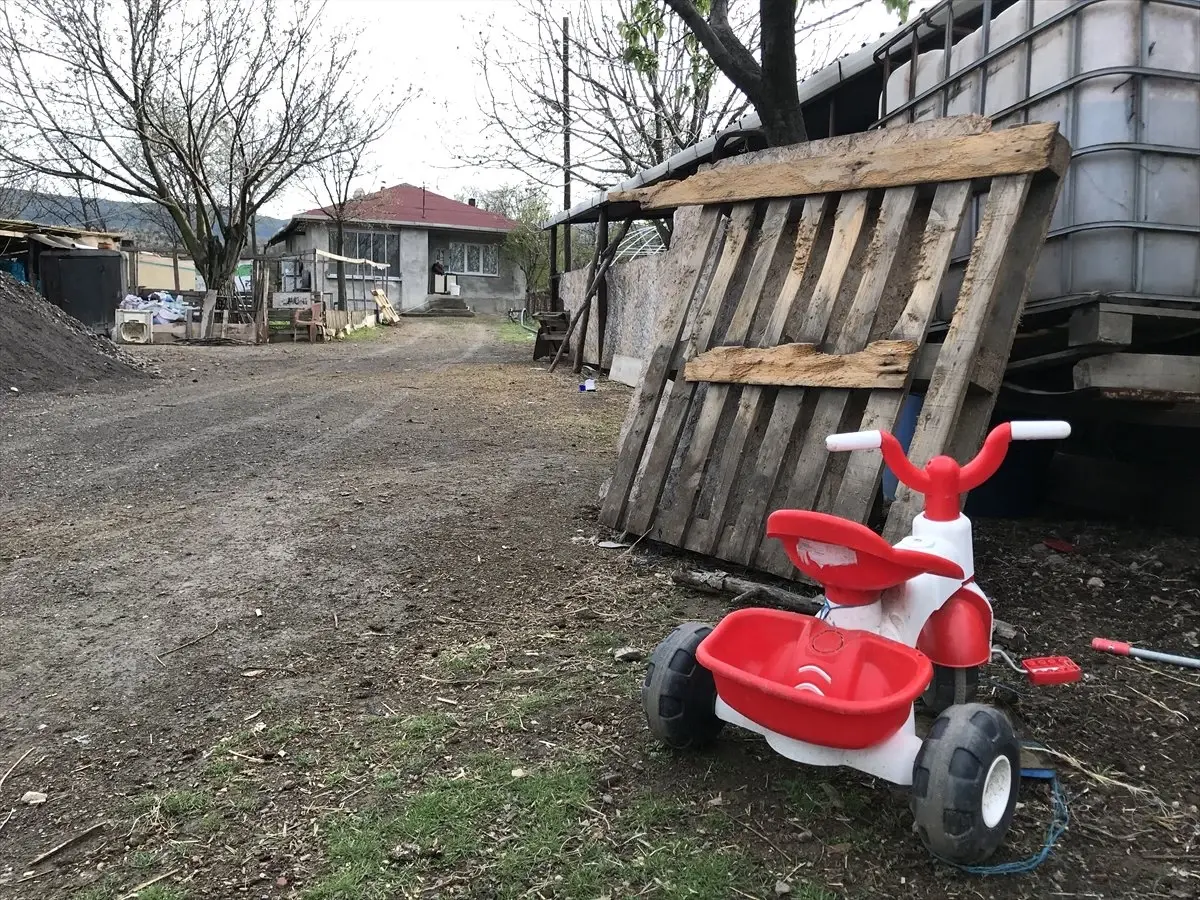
(1040, 431)
(943, 481)
(854, 440)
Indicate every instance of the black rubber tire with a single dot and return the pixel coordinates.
(949, 775)
(678, 694)
(950, 687)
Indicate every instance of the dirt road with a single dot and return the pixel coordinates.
(264, 618)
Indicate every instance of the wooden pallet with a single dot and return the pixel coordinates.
(806, 314)
(383, 306)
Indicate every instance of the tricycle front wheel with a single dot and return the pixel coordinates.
(965, 781)
(678, 694)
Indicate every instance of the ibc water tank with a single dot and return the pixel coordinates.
(1129, 214)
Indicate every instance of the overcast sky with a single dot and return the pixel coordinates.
(431, 44)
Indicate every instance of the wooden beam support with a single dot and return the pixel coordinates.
(1012, 151)
(882, 364)
(1139, 371)
(1091, 325)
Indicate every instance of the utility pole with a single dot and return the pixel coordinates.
(566, 107)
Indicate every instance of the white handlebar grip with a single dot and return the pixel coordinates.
(854, 440)
(1040, 431)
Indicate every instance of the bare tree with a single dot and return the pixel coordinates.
(770, 81)
(207, 108)
(335, 177)
(640, 92)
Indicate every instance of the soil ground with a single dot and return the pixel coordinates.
(44, 349)
(330, 622)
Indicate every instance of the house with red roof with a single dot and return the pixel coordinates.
(408, 229)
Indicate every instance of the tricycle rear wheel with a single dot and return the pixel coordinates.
(678, 694)
(951, 687)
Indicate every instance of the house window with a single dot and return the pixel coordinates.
(377, 246)
(474, 259)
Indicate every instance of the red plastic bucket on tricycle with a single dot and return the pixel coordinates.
(803, 678)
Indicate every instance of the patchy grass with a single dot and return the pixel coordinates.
(513, 333)
(364, 334)
(465, 660)
(524, 832)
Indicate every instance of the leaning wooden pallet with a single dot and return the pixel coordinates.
(811, 285)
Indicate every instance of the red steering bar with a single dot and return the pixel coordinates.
(943, 481)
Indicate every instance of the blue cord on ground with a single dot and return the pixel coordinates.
(1060, 817)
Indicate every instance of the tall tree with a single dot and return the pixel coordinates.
(335, 178)
(641, 89)
(208, 108)
(525, 246)
(771, 80)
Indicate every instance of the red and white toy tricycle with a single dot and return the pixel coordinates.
(838, 688)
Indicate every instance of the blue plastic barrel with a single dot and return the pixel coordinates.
(906, 427)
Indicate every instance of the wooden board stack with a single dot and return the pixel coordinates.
(810, 288)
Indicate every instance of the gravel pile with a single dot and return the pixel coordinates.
(44, 349)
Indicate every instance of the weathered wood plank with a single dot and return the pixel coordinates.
(705, 533)
(640, 514)
(956, 361)
(988, 373)
(644, 405)
(812, 461)
(881, 364)
(1141, 371)
(1093, 325)
(1011, 151)
(741, 541)
(672, 521)
(856, 493)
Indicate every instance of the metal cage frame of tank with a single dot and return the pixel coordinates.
(942, 17)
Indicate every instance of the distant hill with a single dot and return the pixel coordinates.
(141, 221)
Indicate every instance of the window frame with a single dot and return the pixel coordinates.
(354, 246)
(482, 250)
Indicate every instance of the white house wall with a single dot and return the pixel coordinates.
(418, 248)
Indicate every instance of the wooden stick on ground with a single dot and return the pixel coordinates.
(71, 841)
(721, 583)
(13, 767)
(215, 628)
(132, 895)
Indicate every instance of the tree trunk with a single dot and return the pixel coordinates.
(783, 126)
(340, 237)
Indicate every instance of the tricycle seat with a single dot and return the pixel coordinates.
(851, 561)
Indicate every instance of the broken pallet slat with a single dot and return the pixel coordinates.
(881, 364)
(652, 480)
(705, 531)
(746, 533)
(812, 468)
(863, 470)
(951, 375)
(1011, 151)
